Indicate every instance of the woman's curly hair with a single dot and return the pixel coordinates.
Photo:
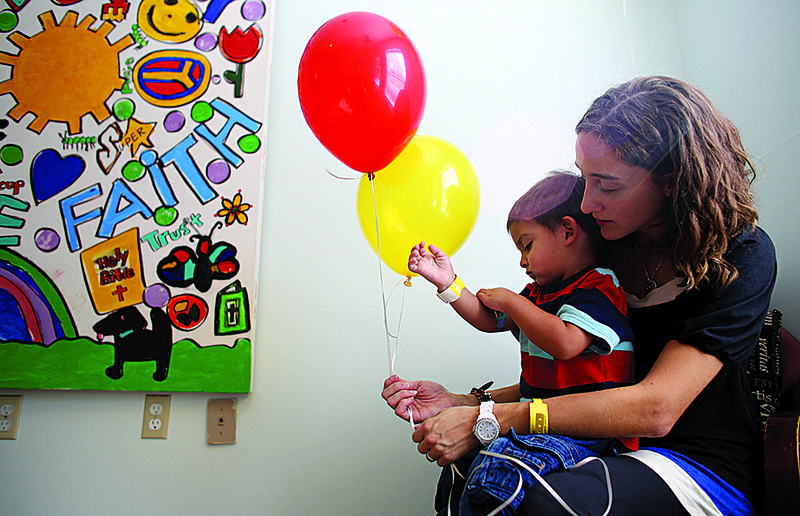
(671, 128)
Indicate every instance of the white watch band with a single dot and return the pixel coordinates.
(486, 428)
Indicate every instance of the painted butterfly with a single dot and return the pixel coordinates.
(183, 266)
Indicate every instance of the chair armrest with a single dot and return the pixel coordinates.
(782, 462)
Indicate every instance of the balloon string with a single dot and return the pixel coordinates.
(406, 282)
(380, 274)
(392, 353)
(340, 177)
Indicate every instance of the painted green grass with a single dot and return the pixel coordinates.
(80, 364)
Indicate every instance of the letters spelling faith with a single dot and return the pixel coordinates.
(121, 194)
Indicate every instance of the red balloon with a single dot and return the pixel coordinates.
(362, 89)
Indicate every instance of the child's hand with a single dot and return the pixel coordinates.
(496, 298)
(432, 264)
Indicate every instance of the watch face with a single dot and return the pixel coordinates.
(486, 430)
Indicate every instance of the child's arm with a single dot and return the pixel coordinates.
(434, 265)
(561, 340)
(508, 394)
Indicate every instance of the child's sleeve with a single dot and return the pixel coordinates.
(598, 307)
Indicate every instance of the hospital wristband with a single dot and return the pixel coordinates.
(453, 292)
(538, 411)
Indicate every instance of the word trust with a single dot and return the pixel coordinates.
(158, 240)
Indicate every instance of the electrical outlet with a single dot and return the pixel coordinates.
(10, 411)
(156, 416)
(221, 424)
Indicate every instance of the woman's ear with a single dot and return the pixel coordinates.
(668, 183)
(571, 229)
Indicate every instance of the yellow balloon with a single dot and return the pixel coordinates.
(429, 193)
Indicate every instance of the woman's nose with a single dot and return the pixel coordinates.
(588, 204)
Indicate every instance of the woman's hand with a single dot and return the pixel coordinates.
(448, 436)
(426, 399)
(445, 433)
(432, 264)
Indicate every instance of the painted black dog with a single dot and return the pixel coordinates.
(133, 342)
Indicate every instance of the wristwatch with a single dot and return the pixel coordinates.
(486, 428)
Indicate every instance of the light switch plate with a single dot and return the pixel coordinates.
(221, 424)
(10, 411)
(156, 416)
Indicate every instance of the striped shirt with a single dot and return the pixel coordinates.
(593, 301)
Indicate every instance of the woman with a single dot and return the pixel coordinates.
(669, 184)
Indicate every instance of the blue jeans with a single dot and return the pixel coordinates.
(490, 481)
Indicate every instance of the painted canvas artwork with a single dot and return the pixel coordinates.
(132, 149)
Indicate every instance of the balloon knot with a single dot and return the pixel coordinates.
(407, 282)
(371, 175)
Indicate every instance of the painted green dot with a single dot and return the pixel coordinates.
(11, 154)
(123, 109)
(133, 170)
(8, 20)
(165, 215)
(249, 143)
(202, 112)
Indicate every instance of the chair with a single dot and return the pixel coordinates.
(774, 374)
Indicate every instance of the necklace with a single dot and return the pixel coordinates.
(650, 284)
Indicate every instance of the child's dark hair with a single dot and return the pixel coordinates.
(551, 199)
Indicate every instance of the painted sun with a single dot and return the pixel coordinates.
(64, 72)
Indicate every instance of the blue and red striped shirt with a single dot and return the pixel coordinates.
(593, 301)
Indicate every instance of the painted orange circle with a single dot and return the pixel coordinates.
(187, 311)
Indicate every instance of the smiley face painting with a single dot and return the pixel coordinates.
(170, 21)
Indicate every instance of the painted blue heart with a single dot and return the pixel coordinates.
(51, 174)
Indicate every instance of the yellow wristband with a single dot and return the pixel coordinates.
(452, 292)
(538, 417)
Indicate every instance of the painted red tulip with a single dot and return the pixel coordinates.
(240, 46)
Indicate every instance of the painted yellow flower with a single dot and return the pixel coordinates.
(234, 210)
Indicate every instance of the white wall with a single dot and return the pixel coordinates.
(506, 84)
(746, 57)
